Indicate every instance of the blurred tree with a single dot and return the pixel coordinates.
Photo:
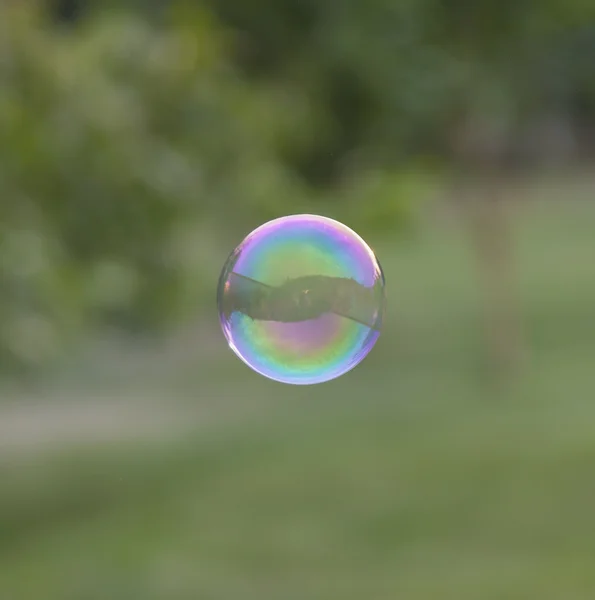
(115, 139)
(66, 11)
(503, 45)
(119, 135)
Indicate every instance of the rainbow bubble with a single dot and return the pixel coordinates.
(301, 299)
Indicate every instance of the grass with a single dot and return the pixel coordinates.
(408, 478)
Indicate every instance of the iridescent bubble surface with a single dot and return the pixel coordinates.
(301, 299)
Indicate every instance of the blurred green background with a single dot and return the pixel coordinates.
(139, 142)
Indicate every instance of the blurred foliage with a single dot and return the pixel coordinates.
(136, 138)
(115, 138)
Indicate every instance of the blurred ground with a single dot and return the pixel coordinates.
(168, 474)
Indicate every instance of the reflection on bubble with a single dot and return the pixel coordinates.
(301, 299)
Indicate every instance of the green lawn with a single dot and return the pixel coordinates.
(408, 478)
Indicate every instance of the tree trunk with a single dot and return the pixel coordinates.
(481, 147)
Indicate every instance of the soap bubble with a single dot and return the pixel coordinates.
(301, 299)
